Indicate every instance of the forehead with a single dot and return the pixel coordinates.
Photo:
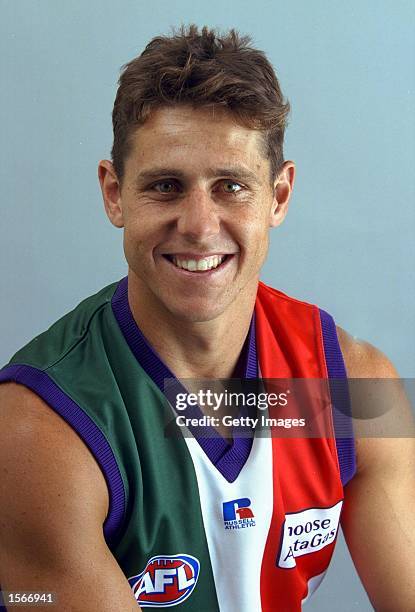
(203, 136)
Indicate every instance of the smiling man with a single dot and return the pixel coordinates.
(101, 507)
(196, 221)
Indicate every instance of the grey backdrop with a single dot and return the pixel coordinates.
(348, 242)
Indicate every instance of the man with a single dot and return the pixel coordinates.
(93, 492)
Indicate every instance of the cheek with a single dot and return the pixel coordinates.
(134, 246)
(260, 241)
(256, 231)
(138, 231)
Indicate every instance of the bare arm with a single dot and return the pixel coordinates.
(378, 517)
(53, 502)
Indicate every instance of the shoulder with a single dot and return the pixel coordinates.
(362, 359)
(44, 459)
(66, 333)
(381, 410)
(52, 509)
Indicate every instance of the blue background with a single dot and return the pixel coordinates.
(348, 241)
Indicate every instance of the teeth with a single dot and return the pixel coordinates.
(207, 263)
(202, 265)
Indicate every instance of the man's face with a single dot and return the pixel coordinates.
(196, 204)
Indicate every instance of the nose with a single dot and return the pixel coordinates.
(198, 217)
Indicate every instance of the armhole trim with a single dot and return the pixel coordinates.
(339, 392)
(40, 382)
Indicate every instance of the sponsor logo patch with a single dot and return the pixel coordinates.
(237, 514)
(165, 581)
(306, 532)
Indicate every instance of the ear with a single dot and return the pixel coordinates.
(283, 187)
(111, 192)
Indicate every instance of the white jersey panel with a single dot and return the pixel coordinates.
(236, 545)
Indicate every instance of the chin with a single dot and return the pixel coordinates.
(197, 312)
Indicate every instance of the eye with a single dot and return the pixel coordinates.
(164, 186)
(231, 187)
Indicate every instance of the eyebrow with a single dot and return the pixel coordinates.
(236, 171)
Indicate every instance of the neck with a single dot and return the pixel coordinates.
(203, 349)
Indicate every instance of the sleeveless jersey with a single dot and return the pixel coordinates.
(200, 523)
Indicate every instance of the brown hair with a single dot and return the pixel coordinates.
(202, 69)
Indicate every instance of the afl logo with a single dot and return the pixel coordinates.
(165, 581)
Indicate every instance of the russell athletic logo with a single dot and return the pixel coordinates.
(306, 532)
(237, 514)
(165, 581)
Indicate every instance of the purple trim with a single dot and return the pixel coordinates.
(40, 382)
(339, 390)
(229, 459)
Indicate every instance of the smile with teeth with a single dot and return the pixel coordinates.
(200, 265)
